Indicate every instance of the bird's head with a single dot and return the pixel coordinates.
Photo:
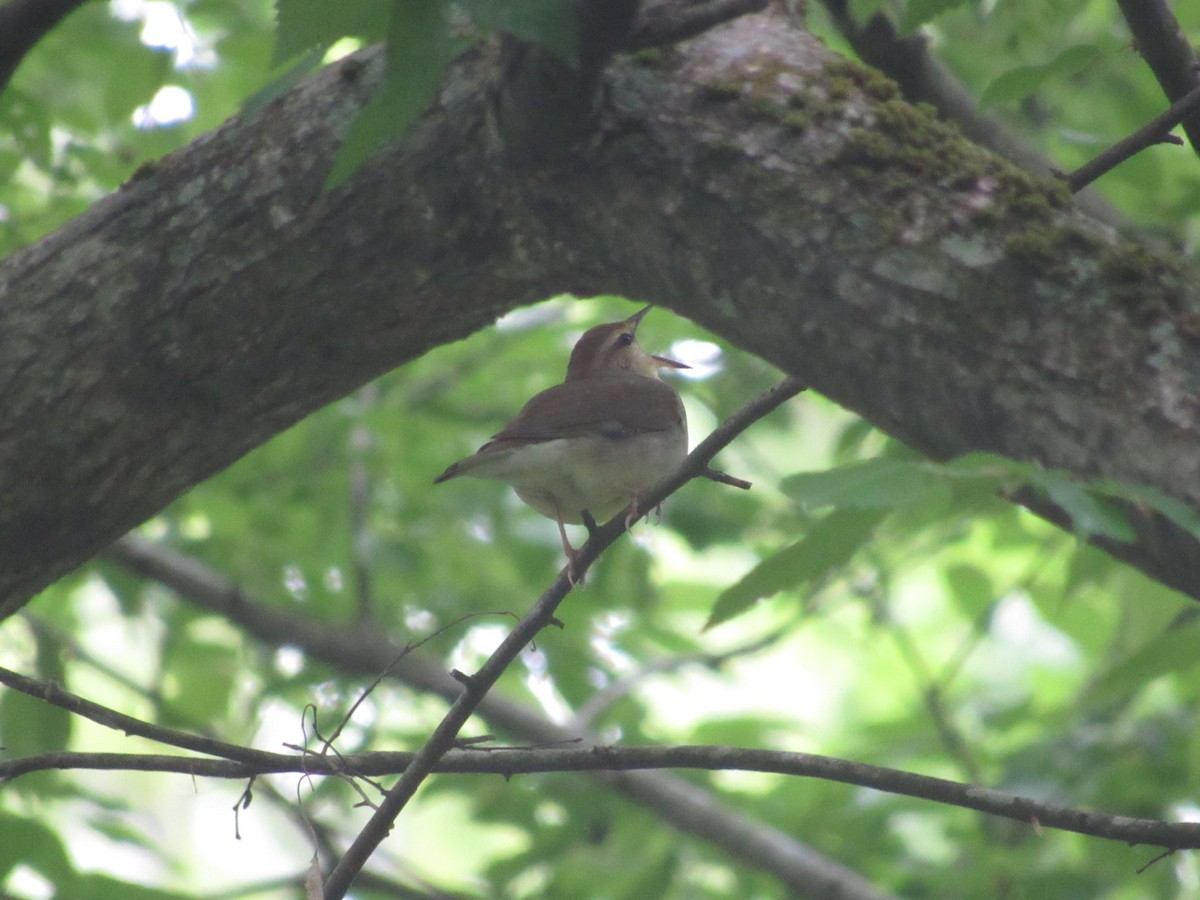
(612, 349)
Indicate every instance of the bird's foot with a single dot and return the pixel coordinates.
(574, 576)
(635, 512)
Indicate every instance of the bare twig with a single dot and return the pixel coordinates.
(599, 702)
(110, 718)
(1154, 132)
(725, 478)
(507, 763)
(539, 616)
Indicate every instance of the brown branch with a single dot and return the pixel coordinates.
(1154, 132)
(475, 687)
(725, 478)
(1167, 52)
(56, 696)
(508, 762)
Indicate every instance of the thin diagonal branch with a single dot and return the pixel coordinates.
(678, 803)
(603, 699)
(1153, 132)
(539, 616)
(110, 718)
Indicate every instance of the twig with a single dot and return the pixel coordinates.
(600, 701)
(507, 763)
(540, 615)
(411, 646)
(1154, 132)
(110, 718)
(725, 478)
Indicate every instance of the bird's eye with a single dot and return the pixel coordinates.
(625, 339)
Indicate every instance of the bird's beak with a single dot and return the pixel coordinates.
(664, 363)
(636, 318)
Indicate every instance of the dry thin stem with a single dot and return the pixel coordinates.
(1155, 132)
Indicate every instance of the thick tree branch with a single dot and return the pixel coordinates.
(365, 650)
(1167, 51)
(220, 296)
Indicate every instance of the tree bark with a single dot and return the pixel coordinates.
(749, 179)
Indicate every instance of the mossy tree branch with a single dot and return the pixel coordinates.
(748, 179)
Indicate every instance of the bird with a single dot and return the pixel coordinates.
(585, 449)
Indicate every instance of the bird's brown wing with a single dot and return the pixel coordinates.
(615, 407)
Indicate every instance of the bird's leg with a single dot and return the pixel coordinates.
(572, 553)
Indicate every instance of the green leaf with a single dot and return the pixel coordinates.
(306, 24)
(1175, 650)
(991, 470)
(279, 86)
(1175, 510)
(418, 50)
(1018, 83)
(1090, 514)
(918, 12)
(29, 842)
(551, 24)
(29, 726)
(829, 544)
(201, 680)
(970, 588)
(871, 484)
(98, 886)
